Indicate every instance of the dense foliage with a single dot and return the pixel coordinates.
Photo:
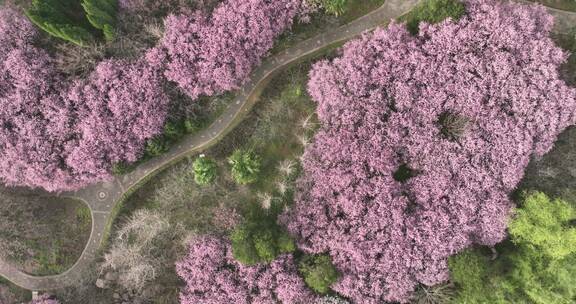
(64, 18)
(207, 55)
(380, 104)
(318, 272)
(259, 239)
(540, 267)
(205, 170)
(246, 166)
(102, 15)
(212, 276)
(60, 135)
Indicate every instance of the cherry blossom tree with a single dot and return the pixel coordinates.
(212, 276)
(60, 135)
(120, 107)
(388, 191)
(207, 55)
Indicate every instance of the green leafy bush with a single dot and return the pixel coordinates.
(260, 239)
(157, 146)
(318, 272)
(246, 166)
(537, 266)
(205, 170)
(73, 20)
(433, 11)
(544, 224)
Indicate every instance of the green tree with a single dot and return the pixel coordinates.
(260, 239)
(74, 20)
(102, 15)
(318, 271)
(433, 11)
(246, 165)
(537, 266)
(205, 170)
(544, 224)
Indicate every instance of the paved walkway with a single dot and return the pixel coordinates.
(103, 197)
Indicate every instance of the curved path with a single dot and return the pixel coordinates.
(102, 198)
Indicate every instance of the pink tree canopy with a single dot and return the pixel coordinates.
(60, 135)
(212, 276)
(387, 191)
(207, 55)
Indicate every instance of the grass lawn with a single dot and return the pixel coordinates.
(567, 5)
(43, 236)
(10, 293)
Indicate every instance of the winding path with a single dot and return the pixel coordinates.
(102, 198)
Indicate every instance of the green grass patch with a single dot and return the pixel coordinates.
(433, 11)
(566, 5)
(321, 22)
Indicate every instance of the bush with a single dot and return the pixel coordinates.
(433, 11)
(156, 146)
(318, 272)
(246, 166)
(205, 170)
(60, 18)
(260, 239)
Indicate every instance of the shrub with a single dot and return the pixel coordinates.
(156, 146)
(205, 170)
(213, 276)
(528, 272)
(318, 272)
(379, 104)
(433, 11)
(246, 166)
(259, 239)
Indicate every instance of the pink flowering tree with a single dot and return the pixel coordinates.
(60, 135)
(207, 55)
(423, 140)
(212, 276)
(120, 107)
(44, 300)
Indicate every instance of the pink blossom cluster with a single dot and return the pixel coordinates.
(44, 300)
(60, 135)
(381, 105)
(212, 276)
(207, 55)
